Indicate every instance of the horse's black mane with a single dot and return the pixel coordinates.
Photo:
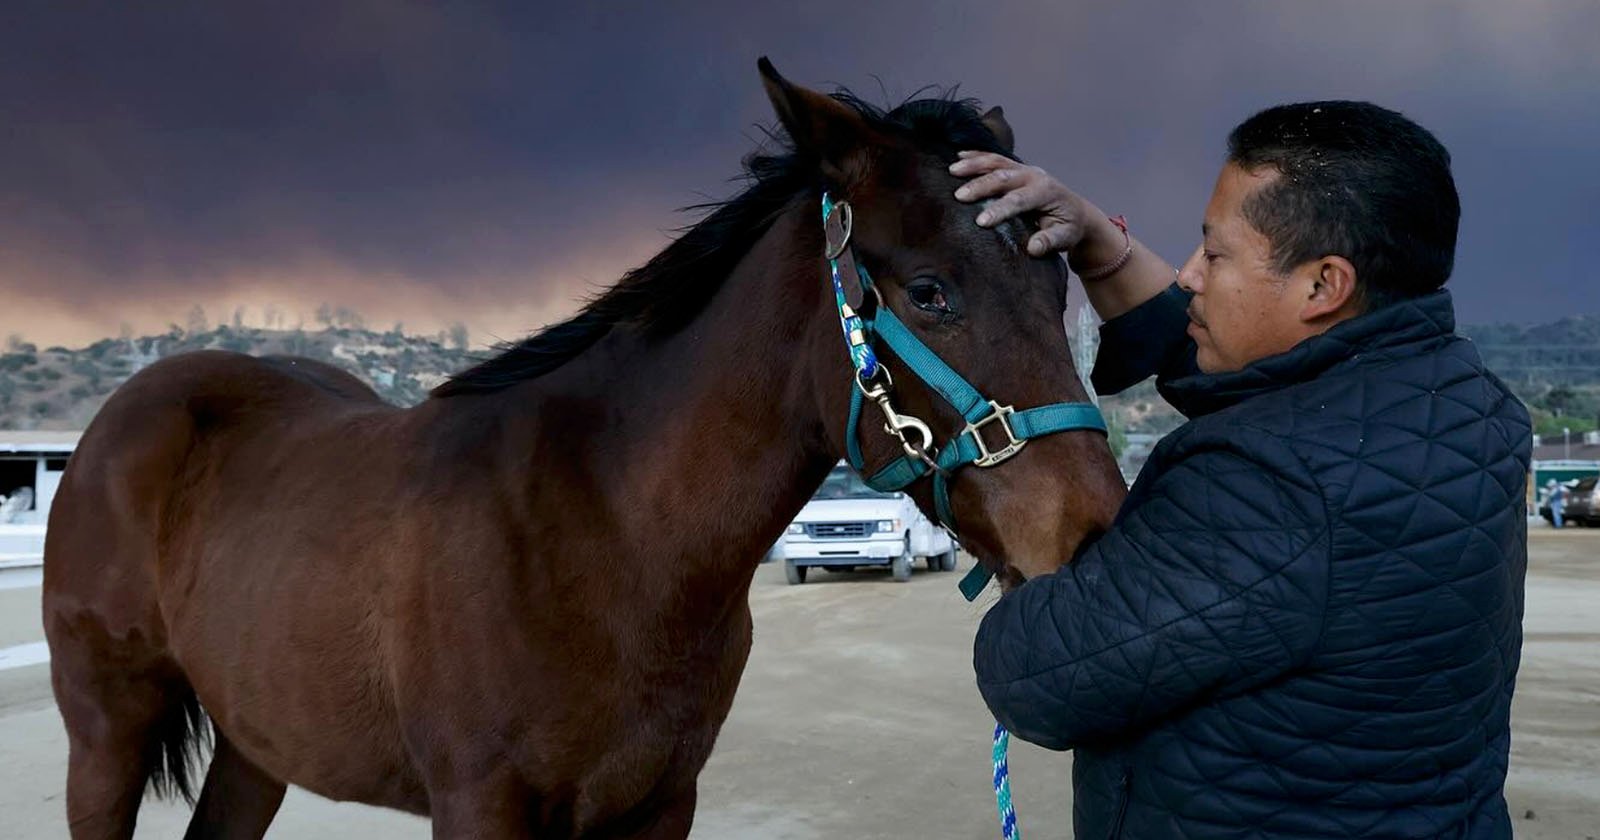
(667, 292)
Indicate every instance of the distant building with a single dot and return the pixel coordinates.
(31, 464)
(1575, 447)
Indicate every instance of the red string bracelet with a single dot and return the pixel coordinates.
(1115, 265)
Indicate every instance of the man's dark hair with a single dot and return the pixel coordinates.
(1356, 181)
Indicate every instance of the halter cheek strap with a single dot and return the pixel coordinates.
(994, 432)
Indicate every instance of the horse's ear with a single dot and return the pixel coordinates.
(820, 126)
(995, 121)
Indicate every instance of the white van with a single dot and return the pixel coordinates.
(848, 524)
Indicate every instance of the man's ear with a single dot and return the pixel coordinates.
(822, 128)
(1333, 290)
(995, 121)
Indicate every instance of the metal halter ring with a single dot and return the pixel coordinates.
(876, 389)
(836, 229)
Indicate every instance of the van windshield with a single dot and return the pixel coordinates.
(843, 483)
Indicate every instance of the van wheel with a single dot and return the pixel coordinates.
(795, 574)
(947, 560)
(901, 567)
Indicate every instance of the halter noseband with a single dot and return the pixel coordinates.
(872, 381)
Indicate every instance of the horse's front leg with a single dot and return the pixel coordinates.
(489, 808)
(672, 823)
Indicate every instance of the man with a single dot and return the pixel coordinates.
(1306, 620)
(1558, 501)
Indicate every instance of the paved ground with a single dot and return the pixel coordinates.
(858, 718)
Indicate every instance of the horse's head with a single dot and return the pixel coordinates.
(976, 302)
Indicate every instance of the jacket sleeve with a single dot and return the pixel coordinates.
(1150, 339)
(1213, 580)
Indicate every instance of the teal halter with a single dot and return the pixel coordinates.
(872, 381)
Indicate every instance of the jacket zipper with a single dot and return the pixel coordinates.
(1122, 804)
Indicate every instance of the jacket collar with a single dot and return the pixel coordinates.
(1408, 324)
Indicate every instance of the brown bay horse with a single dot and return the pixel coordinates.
(520, 607)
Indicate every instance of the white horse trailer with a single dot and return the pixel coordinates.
(31, 464)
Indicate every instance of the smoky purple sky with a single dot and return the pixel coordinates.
(489, 164)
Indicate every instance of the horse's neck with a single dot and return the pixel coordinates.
(700, 447)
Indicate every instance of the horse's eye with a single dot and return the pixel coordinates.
(927, 294)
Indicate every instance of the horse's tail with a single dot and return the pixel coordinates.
(179, 742)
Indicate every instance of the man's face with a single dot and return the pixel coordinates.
(1242, 310)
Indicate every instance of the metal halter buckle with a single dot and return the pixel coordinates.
(1000, 414)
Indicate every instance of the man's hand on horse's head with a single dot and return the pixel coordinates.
(1068, 223)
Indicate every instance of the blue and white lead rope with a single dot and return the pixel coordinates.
(862, 356)
(1002, 785)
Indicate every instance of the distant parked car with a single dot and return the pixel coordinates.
(1582, 506)
(847, 525)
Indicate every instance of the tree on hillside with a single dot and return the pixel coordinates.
(1116, 435)
(347, 318)
(1560, 399)
(1549, 426)
(198, 323)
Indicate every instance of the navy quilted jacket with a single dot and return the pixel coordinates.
(1306, 620)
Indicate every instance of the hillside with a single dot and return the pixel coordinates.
(1554, 368)
(1563, 353)
(58, 388)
